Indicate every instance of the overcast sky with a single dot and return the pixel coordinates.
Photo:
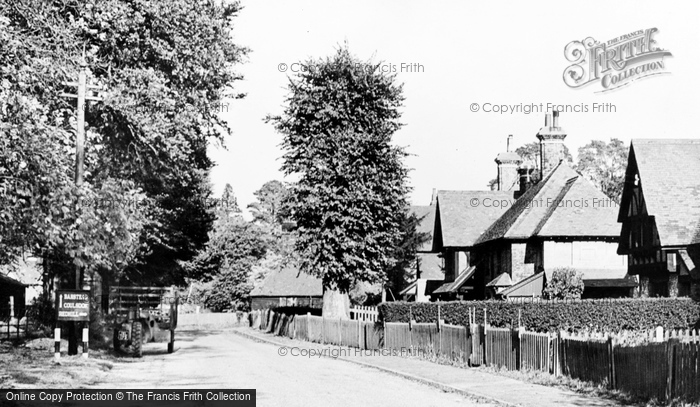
(471, 52)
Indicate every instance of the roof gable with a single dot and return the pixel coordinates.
(562, 204)
(289, 282)
(462, 216)
(668, 173)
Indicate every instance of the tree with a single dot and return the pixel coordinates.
(167, 67)
(604, 164)
(269, 207)
(566, 284)
(401, 273)
(350, 199)
(226, 263)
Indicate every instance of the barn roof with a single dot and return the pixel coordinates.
(289, 282)
(462, 216)
(668, 173)
(563, 204)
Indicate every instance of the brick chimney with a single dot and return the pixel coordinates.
(525, 175)
(508, 163)
(551, 138)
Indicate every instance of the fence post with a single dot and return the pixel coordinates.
(670, 352)
(611, 354)
(359, 334)
(308, 326)
(340, 332)
(484, 340)
(323, 329)
(439, 329)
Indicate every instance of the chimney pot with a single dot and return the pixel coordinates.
(510, 137)
(555, 115)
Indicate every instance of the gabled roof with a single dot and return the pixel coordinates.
(503, 280)
(289, 282)
(454, 286)
(668, 171)
(562, 204)
(426, 215)
(462, 216)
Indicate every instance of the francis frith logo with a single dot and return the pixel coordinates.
(614, 63)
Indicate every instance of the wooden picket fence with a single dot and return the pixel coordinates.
(658, 365)
(366, 314)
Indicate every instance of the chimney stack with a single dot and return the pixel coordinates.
(552, 147)
(525, 174)
(508, 163)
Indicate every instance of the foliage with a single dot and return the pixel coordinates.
(269, 208)
(403, 271)
(610, 315)
(604, 164)
(167, 67)
(565, 284)
(226, 263)
(349, 201)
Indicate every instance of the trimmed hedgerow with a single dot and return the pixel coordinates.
(551, 316)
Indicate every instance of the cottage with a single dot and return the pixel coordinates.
(288, 287)
(505, 242)
(660, 216)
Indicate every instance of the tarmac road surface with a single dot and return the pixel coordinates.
(223, 360)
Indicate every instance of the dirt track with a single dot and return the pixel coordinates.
(225, 360)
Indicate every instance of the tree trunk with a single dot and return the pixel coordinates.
(336, 304)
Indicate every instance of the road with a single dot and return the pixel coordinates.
(225, 360)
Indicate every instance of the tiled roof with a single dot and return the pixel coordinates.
(427, 224)
(289, 282)
(465, 215)
(562, 204)
(669, 173)
(430, 266)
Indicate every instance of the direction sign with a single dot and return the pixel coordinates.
(73, 305)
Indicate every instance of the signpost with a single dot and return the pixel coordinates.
(73, 305)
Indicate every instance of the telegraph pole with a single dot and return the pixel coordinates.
(82, 97)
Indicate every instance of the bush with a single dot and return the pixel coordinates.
(551, 316)
(566, 284)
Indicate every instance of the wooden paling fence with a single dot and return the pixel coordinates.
(502, 348)
(535, 351)
(664, 366)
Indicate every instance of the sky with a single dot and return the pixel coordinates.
(466, 56)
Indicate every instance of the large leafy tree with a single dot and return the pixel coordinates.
(350, 199)
(604, 164)
(226, 263)
(167, 67)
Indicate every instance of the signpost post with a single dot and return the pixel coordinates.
(73, 306)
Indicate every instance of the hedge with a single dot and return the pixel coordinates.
(610, 315)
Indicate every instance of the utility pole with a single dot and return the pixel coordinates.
(82, 97)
